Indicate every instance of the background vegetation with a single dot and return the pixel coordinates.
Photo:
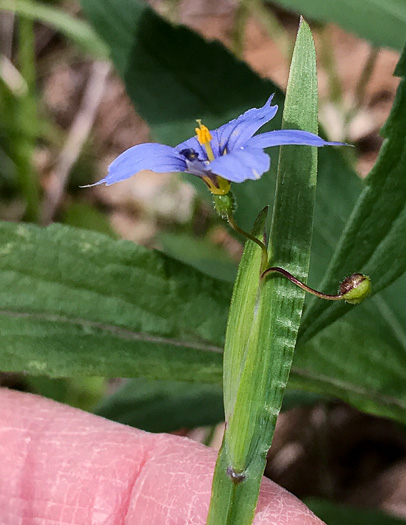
(81, 308)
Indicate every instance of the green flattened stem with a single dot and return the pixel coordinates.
(265, 314)
(240, 464)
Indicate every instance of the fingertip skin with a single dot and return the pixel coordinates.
(63, 466)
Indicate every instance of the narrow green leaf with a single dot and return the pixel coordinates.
(374, 240)
(77, 30)
(265, 314)
(241, 327)
(241, 317)
(382, 23)
(76, 302)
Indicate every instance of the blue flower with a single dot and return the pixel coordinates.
(230, 153)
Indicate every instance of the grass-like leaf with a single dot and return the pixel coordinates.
(265, 314)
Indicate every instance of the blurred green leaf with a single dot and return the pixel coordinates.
(75, 302)
(77, 30)
(335, 514)
(382, 23)
(351, 360)
(297, 398)
(173, 75)
(164, 406)
(201, 254)
(386, 313)
(20, 122)
(85, 216)
(79, 392)
(374, 240)
(338, 188)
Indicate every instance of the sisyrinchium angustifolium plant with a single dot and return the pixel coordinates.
(76, 303)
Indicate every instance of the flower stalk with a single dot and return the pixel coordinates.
(352, 290)
(264, 258)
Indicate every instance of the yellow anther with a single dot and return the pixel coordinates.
(204, 137)
(203, 133)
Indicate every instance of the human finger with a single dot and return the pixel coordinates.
(60, 465)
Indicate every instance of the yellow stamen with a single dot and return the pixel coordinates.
(204, 137)
(218, 185)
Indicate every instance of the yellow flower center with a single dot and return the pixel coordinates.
(218, 186)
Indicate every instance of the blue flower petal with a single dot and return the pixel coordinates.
(154, 157)
(237, 132)
(284, 137)
(241, 164)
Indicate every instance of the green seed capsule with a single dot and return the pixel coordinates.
(355, 288)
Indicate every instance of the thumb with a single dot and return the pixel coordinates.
(64, 466)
